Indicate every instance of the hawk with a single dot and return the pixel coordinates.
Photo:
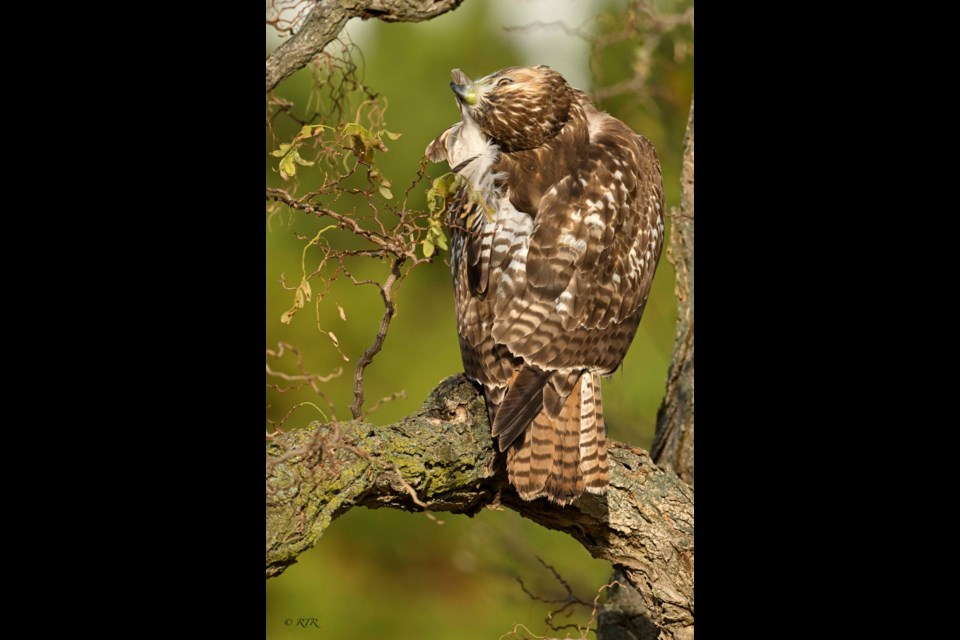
(557, 228)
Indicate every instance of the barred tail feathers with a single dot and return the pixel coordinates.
(560, 457)
(593, 437)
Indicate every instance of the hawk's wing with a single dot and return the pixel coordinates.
(573, 298)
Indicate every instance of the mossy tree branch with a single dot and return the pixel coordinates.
(443, 457)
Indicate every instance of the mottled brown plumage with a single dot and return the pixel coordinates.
(557, 233)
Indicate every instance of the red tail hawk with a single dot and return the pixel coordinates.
(557, 231)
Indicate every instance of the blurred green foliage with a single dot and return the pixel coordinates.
(386, 573)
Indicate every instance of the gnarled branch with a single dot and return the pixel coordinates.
(327, 19)
(444, 453)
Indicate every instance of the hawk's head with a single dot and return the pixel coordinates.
(519, 107)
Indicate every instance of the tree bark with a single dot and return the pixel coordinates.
(328, 18)
(443, 458)
(673, 444)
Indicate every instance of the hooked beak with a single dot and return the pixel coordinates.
(462, 86)
(465, 93)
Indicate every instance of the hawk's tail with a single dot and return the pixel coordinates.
(563, 451)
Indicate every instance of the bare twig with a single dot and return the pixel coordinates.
(646, 25)
(397, 395)
(578, 32)
(386, 243)
(303, 378)
(286, 16)
(567, 602)
(389, 310)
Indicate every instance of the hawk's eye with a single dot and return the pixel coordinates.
(504, 81)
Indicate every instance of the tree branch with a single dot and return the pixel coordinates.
(389, 310)
(445, 454)
(327, 20)
(385, 242)
(673, 445)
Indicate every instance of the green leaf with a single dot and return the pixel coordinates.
(282, 151)
(300, 160)
(439, 187)
(447, 184)
(427, 248)
(352, 128)
(386, 193)
(452, 182)
(287, 166)
(391, 134)
(442, 240)
(434, 201)
(488, 212)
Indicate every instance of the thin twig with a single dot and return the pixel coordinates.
(389, 310)
(343, 222)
